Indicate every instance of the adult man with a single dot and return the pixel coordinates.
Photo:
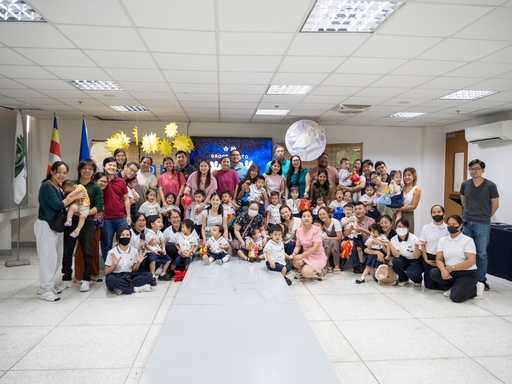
(279, 156)
(480, 199)
(183, 166)
(363, 222)
(332, 173)
(116, 205)
(130, 170)
(236, 165)
(227, 179)
(382, 170)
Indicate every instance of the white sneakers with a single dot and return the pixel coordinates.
(479, 290)
(86, 286)
(64, 285)
(447, 293)
(206, 259)
(47, 296)
(143, 288)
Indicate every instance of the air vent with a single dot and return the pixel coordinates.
(110, 118)
(351, 108)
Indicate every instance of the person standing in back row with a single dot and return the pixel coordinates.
(480, 199)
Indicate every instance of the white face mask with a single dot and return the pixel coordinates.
(402, 231)
(252, 212)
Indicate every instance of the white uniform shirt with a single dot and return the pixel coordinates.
(454, 249)
(293, 206)
(275, 216)
(276, 251)
(186, 242)
(336, 204)
(215, 245)
(128, 259)
(254, 193)
(381, 237)
(431, 234)
(405, 247)
(150, 209)
(150, 235)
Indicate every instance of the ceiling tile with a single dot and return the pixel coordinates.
(121, 59)
(479, 69)
(351, 80)
(170, 41)
(310, 64)
(423, 19)
(427, 67)
(8, 83)
(25, 72)
(312, 99)
(243, 89)
(164, 96)
(245, 77)
(420, 93)
(262, 15)
(493, 26)
(294, 99)
(197, 97)
(159, 103)
(175, 14)
(401, 81)
(305, 112)
(368, 65)
(314, 107)
(39, 35)
(186, 62)
(239, 98)
(166, 110)
(36, 101)
(16, 92)
(8, 56)
(235, 112)
(76, 73)
(249, 63)
(144, 86)
(462, 49)
(493, 84)
(326, 44)
(326, 90)
(503, 56)
(108, 38)
(232, 105)
(47, 56)
(449, 83)
(232, 43)
(366, 100)
(401, 47)
(202, 77)
(276, 105)
(200, 105)
(65, 94)
(194, 88)
(381, 92)
(46, 84)
(120, 74)
(300, 78)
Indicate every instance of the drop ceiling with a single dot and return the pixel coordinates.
(213, 60)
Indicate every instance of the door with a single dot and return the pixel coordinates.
(456, 160)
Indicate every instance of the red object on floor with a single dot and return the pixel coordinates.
(179, 275)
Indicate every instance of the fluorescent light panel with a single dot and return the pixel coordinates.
(96, 85)
(348, 16)
(465, 94)
(18, 10)
(406, 115)
(289, 89)
(129, 108)
(275, 112)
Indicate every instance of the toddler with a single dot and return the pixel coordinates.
(350, 224)
(293, 202)
(337, 204)
(79, 207)
(369, 199)
(229, 208)
(217, 247)
(170, 199)
(273, 215)
(377, 243)
(258, 193)
(395, 192)
(186, 245)
(253, 247)
(150, 207)
(155, 248)
(347, 197)
(345, 174)
(320, 202)
(274, 253)
(196, 218)
(132, 194)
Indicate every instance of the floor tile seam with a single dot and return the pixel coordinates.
(444, 338)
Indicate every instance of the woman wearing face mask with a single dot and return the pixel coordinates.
(245, 223)
(429, 237)
(456, 271)
(405, 248)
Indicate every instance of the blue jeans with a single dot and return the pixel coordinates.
(480, 233)
(110, 227)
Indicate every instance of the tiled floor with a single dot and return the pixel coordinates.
(370, 333)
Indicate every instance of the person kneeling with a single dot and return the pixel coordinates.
(121, 267)
(274, 253)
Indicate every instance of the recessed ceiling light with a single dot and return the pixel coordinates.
(18, 10)
(280, 112)
(348, 16)
(96, 85)
(406, 115)
(129, 108)
(465, 94)
(289, 89)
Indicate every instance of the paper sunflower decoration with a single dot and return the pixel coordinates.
(117, 140)
(136, 135)
(150, 143)
(164, 147)
(171, 129)
(183, 142)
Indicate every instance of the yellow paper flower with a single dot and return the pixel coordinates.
(150, 143)
(183, 142)
(164, 147)
(171, 129)
(117, 140)
(136, 135)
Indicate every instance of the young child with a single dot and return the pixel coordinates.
(320, 202)
(217, 247)
(349, 223)
(155, 247)
(187, 245)
(253, 247)
(376, 242)
(150, 207)
(273, 215)
(293, 202)
(337, 204)
(79, 207)
(274, 253)
(369, 199)
(347, 197)
(170, 199)
(199, 197)
(258, 193)
(345, 173)
(395, 191)
(229, 208)
(132, 194)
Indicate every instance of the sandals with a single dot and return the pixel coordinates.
(75, 233)
(329, 270)
(336, 271)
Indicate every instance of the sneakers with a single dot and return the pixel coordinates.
(48, 296)
(480, 288)
(219, 261)
(447, 293)
(143, 288)
(68, 223)
(75, 233)
(64, 285)
(164, 277)
(86, 286)
(486, 286)
(402, 283)
(206, 260)
(96, 279)
(328, 270)
(361, 280)
(118, 291)
(417, 285)
(288, 281)
(153, 282)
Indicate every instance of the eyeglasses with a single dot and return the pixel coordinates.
(141, 220)
(132, 170)
(103, 181)
(474, 169)
(235, 155)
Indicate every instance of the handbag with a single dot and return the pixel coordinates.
(57, 223)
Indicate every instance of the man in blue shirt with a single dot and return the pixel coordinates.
(236, 165)
(279, 156)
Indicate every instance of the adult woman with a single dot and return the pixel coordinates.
(49, 244)
(292, 224)
(170, 181)
(202, 179)
(380, 189)
(331, 243)
(320, 187)
(429, 237)
(170, 238)
(121, 159)
(100, 179)
(245, 223)
(298, 177)
(357, 188)
(386, 223)
(138, 227)
(213, 216)
(274, 180)
(250, 178)
(412, 195)
(367, 170)
(145, 179)
(311, 261)
(405, 249)
(456, 271)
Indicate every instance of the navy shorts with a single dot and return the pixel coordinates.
(279, 267)
(217, 256)
(181, 262)
(159, 259)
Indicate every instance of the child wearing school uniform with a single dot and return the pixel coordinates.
(274, 253)
(186, 245)
(217, 247)
(197, 218)
(150, 207)
(377, 241)
(293, 202)
(156, 253)
(273, 214)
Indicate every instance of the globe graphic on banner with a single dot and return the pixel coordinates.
(306, 139)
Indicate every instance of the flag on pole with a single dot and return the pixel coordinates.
(54, 146)
(84, 143)
(20, 165)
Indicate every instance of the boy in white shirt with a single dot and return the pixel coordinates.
(258, 193)
(345, 174)
(199, 197)
(274, 253)
(186, 245)
(273, 215)
(217, 247)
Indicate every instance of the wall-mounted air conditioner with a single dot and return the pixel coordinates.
(490, 133)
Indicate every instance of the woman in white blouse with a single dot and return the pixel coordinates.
(456, 271)
(406, 251)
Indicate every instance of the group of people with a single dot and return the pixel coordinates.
(288, 216)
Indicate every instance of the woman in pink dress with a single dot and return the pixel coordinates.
(312, 260)
(201, 179)
(170, 181)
